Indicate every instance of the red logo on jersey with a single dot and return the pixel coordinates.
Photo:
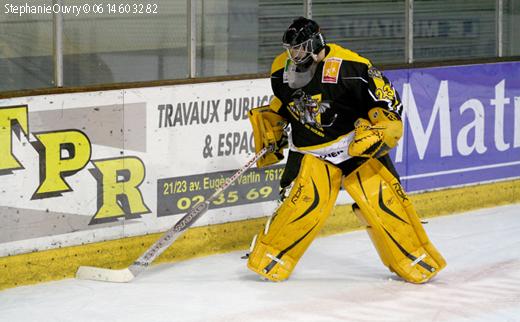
(331, 70)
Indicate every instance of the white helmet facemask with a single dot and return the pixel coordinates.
(301, 53)
(303, 42)
(302, 65)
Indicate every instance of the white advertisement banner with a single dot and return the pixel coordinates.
(86, 167)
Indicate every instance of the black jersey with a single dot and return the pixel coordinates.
(344, 88)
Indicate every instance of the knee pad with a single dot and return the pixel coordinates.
(392, 223)
(276, 249)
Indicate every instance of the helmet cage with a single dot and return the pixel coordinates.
(300, 53)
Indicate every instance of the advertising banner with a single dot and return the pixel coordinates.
(86, 167)
(462, 125)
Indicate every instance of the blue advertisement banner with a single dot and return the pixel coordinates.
(462, 125)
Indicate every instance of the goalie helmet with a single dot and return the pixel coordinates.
(303, 41)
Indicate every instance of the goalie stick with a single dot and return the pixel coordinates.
(128, 274)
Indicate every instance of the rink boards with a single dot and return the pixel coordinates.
(104, 172)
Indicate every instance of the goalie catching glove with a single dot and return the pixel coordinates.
(268, 131)
(374, 138)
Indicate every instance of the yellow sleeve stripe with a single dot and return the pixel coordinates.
(345, 54)
(279, 62)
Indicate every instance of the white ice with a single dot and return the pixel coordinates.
(340, 278)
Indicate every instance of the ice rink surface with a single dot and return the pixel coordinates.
(340, 278)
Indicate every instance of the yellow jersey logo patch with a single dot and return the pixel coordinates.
(331, 70)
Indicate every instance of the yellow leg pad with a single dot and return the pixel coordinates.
(392, 223)
(294, 225)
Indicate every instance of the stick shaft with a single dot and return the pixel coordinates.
(189, 219)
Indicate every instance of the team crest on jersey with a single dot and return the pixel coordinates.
(331, 70)
(309, 109)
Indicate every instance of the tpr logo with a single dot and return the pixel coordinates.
(62, 154)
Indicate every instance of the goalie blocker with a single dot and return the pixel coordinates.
(268, 131)
(381, 204)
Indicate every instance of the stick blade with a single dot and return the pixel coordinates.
(104, 274)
